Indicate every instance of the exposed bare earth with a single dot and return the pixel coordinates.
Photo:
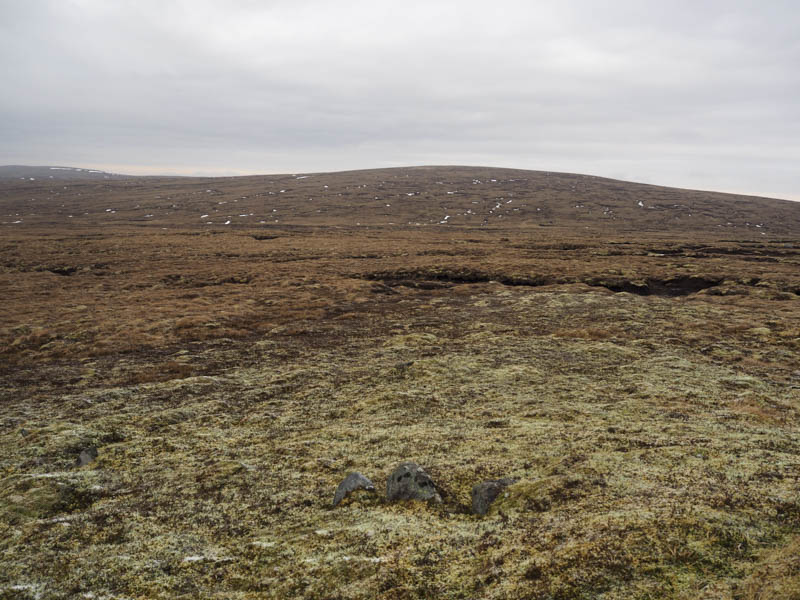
(634, 366)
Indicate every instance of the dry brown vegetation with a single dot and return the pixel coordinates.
(633, 366)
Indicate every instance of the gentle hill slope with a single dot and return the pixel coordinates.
(441, 197)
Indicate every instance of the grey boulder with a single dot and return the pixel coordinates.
(409, 481)
(354, 481)
(483, 494)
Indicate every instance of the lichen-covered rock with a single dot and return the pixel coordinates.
(409, 481)
(354, 481)
(483, 494)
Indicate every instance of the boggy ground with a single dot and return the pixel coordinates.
(644, 389)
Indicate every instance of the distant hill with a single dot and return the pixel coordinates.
(47, 172)
(440, 198)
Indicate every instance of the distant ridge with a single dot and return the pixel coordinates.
(442, 198)
(54, 172)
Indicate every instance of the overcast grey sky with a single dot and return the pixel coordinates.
(702, 94)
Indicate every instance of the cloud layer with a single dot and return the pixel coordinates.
(681, 93)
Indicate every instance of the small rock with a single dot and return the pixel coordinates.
(86, 456)
(483, 494)
(409, 481)
(354, 481)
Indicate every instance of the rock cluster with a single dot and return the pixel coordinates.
(409, 481)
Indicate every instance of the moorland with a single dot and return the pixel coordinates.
(233, 347)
